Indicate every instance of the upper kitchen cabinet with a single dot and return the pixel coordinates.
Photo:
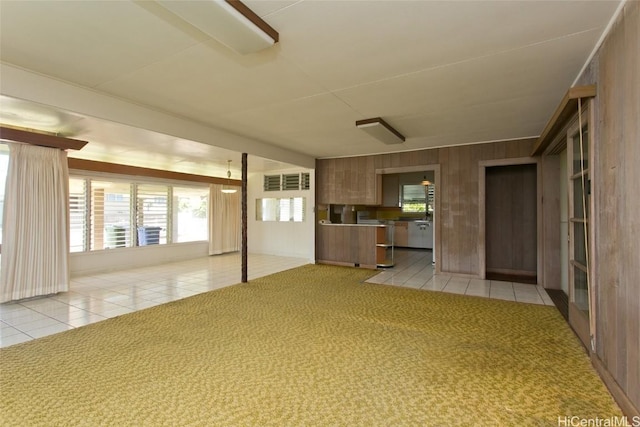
(349, 181)
(391, 190)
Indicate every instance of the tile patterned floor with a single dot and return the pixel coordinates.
(101, 296)
(413, 269)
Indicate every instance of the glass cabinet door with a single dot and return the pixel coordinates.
(579, 201)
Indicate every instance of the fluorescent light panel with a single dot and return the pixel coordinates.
(229, 22)
(380, 130)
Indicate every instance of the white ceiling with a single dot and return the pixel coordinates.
(440, 72)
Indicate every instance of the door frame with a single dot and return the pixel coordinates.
(435, 168)
(482, 206)
(581, 323)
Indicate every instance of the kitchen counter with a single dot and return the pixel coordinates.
(352, 225)
(416, 233)
(355, 245)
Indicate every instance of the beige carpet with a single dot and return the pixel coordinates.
(312, 346)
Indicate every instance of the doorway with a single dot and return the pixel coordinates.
(511, 223)
(404, 188)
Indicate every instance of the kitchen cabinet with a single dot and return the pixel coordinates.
(348, 181)
(384, 247)
(420, 234)
(401, 234)
(355, 245)
(391, 190)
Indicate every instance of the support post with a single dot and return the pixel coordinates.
(244, 218)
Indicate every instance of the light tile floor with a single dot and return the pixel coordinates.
(413, 269)
(101, 296)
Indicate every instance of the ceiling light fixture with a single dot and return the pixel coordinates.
(227, 188)
(381, 130)
(230, 22)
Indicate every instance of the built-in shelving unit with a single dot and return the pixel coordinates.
(384, 247)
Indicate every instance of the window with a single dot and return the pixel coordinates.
(291, 209)
(110, 215)
(291, 181)
(306, 181)
(431, 198)
(78, 218)
(272, 183)
(152, 209)
(414, 198)
(287, 181)
(118, 214)
(190, 207)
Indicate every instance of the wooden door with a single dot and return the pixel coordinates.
(511, 222)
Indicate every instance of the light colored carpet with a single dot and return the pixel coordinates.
(311, 346)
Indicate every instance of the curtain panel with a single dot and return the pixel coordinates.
(225, 221)
(35, 254)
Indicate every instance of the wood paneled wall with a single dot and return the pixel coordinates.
(458, 225)
(616, 176)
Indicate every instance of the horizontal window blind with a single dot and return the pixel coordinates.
(77, 215)
(272, 183)
(306, 181)
(291, 181)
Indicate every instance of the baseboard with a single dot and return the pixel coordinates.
(628, 408)
(561, 301)
(346, 264)
(510, 272)
(527, 278)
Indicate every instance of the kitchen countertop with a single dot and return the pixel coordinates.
(354, 225)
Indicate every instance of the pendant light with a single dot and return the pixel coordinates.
(227, 189)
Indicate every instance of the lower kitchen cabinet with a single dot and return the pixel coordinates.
(421, 234)
(353, 245)
(384, 247)
(401, 234)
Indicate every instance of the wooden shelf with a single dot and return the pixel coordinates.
(567, 108)
(41, 139)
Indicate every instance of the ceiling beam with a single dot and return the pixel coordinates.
(115, 168)
(40, 139)
(255, 19)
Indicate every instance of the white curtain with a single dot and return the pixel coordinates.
(35, 254)
(225, 221)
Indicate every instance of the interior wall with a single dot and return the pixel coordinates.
(84, 263)
(457, 195)
(615, 70)
(294, 239)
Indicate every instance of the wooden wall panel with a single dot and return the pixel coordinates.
(551, 234)
(616, 174)
(458, 204)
